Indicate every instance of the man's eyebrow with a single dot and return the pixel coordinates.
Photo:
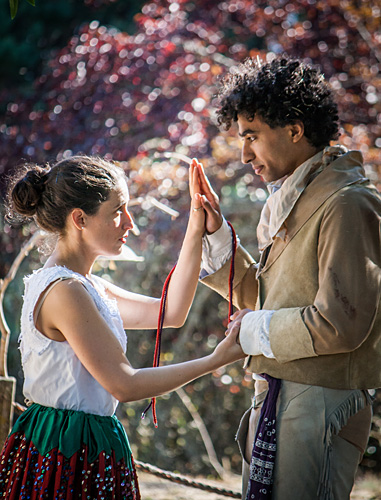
(247, 131)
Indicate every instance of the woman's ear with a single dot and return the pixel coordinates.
(296, 131)
(77, 217)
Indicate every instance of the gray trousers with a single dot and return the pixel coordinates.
(312, 461)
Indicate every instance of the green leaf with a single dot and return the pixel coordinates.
(14, 4)
(32, 2)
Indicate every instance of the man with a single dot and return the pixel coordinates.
(309, 311)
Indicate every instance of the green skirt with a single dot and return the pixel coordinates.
(67, 454)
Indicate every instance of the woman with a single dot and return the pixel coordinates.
(68, 443)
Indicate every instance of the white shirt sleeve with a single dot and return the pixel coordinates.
(216, 249)
(254, 335)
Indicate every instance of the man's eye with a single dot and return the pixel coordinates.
(248, 138)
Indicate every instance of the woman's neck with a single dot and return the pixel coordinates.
(78, 262)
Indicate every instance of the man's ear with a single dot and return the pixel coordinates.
(296, 131)
(77, 217)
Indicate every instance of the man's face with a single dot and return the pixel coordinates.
(271, 151)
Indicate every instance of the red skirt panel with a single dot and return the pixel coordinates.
(25, 474)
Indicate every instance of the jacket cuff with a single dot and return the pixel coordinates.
(219, 281)
(290, 339)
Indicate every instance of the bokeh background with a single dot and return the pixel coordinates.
(132, 80)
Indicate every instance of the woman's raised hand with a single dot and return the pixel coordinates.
(197, 213)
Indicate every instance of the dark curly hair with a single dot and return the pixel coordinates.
(281, 92)
(48, 194)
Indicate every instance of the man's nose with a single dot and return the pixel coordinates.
(247, 155)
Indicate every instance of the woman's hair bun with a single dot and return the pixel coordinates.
(28, 190)
(49, 194)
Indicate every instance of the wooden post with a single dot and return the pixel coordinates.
(7, 397)
(8, 384)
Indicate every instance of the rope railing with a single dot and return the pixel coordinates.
(185, 481)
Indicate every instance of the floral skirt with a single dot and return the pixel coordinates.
(65, 454)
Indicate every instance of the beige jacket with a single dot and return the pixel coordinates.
(324, 283)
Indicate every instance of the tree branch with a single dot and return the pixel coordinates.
(186, 400)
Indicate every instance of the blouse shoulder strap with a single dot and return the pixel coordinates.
(45, 293)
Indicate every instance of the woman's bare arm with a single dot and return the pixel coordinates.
(70, 310)
(138, 311)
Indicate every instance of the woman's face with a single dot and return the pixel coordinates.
(107, 230)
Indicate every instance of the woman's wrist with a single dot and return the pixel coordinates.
(194, 230)
(214, 361)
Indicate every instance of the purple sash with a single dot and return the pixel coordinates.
(263, 455)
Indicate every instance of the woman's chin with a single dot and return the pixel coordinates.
(108, 255)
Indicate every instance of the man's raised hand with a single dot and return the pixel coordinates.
(209, 198)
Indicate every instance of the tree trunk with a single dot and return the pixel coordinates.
(7, 395)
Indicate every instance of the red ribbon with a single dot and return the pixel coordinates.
(159, 331)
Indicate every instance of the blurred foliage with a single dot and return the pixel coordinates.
(93, 83)
(14, 5)
(29, 40)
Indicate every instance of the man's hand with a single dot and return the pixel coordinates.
(209, 201)
(235, 323)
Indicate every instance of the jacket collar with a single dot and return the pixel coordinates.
(347, 169)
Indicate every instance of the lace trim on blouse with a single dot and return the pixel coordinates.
(31, 339)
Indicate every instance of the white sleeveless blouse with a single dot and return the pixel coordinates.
(54, 376)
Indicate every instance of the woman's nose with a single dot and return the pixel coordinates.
(128, 222)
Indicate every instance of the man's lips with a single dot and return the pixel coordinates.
(123, 239)
(258, 169)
